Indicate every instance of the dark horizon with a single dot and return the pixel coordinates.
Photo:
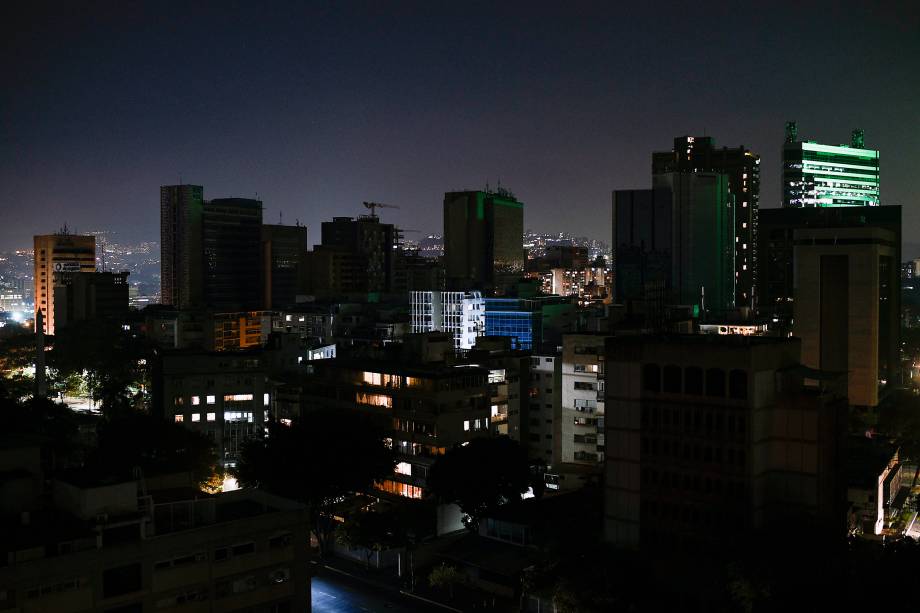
(317, 109)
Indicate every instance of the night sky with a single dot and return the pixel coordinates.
(317, 108)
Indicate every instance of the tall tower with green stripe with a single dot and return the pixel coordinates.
(816, 175)
(483, 240)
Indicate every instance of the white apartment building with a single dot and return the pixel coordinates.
(461, 314)
(582, 414)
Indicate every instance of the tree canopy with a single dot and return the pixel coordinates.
(154, 445)
(318, 460)
(481, 475)
(112, 360)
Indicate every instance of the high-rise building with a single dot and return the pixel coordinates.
(181, 259)
(483, 240)
(231, 241)
(56, 257)
(679, 235)
(711, 437)
(844, 308)
(643, 227)
(741, 166)
(80, 296)
(816, 175)
(284, 253)
(367, 242)
(835, 273)
(461, 314)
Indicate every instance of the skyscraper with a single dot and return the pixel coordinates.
(181, 259)
(284, 251)
(677, 238)
(835, 273)
(741, 166)
(232, 247)
(483, 240)
(369, 242)
(816, 175)
(56, 256)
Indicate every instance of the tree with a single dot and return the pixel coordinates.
(111, 361)
(481, 476)
(154, 445)
(445, 577)
(374, 531)
(17, 353)
(318, 460)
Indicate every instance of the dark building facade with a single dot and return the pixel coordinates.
(642, 242)
(679, 236)
(284, 252)
(232, 249)
(369, 244)
(834, 273)
(741, 166)
(818, 176)
(712, 437)
(483, 240)
(90, 295)
(181, 263)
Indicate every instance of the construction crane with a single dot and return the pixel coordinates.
(373, 206)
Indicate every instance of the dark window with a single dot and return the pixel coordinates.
(737, 384)
(651, 378)
(282, 540)
(693, 381)
(672, 379)
(241, 550)
(121, 580)
(715, 382)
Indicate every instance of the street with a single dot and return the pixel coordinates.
(335, 593)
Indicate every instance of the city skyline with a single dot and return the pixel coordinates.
(285, 105)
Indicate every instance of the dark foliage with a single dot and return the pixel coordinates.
(481, 476)
(317, 460)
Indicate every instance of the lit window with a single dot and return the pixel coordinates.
(196, 416)
(237, 397)
(265, 399)
(180, 419)
(404, 468)
(196, 400)
(212, 416)
(287, 318)
(466, 425)
(211, 399)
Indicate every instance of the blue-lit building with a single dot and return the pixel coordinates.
(515, 318)
(529, 322)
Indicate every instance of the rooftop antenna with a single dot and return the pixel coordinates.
(858, 139)
(280, 218)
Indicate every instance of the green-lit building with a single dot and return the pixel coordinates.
(483, 240)
(677, 237)
(742, 168)
(816, 175)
